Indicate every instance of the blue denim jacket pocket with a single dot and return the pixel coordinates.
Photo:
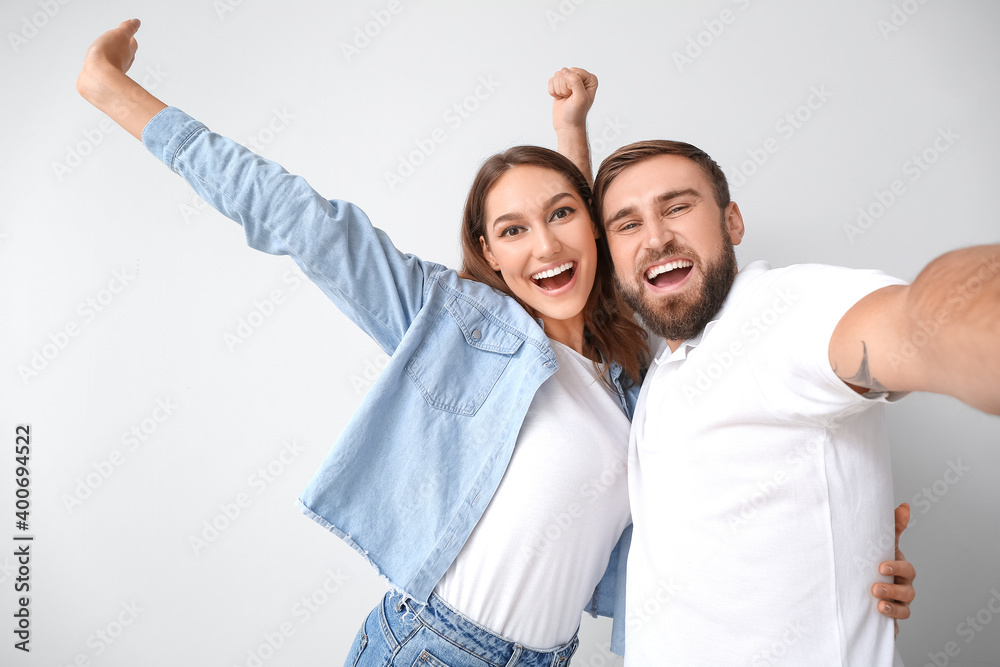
(467, 336)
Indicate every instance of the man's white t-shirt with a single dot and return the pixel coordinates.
(761, 487)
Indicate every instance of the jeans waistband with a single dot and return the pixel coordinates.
(487, 645)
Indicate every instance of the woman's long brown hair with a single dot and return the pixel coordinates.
(609, 325)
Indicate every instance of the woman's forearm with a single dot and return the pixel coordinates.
(104, 83)
(122, 99)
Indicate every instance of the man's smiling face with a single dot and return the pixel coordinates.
(671, 243)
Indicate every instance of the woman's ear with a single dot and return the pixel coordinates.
(488, 254)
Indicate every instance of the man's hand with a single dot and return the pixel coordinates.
(573, 90)
(895, 598)
(103, 81)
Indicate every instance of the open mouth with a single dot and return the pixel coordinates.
(669, 274)
(555, 278)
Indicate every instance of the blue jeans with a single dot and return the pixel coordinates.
(402, 633)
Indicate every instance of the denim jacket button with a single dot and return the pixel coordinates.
(477, 334)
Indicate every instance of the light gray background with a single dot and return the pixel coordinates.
(277, 73)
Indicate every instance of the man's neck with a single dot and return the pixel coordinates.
(674, 344)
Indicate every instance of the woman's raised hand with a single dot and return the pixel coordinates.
(112, 52)
(103, 81)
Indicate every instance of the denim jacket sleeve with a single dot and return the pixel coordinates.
(609, 597)
(353, 263)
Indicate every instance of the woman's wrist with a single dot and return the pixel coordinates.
(122, 99)
(98, 83)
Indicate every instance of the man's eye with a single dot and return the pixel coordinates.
(676, 209)
(628, 226)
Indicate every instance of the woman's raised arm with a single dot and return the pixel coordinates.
(354, 264)
(104, 83)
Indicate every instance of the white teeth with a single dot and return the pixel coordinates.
(552, 272)
(669, 266)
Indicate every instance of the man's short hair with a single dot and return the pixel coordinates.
(626, 156)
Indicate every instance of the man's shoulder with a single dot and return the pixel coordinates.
(799, 297)
(807, 271)
(760, 281)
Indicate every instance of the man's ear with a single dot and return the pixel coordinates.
(734, 223)
(488, 254)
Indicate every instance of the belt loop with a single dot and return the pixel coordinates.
(560, 660)
(514, 658)
(396, 599)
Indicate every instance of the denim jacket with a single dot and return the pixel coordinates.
(414, 469)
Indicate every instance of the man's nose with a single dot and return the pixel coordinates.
(658, 234)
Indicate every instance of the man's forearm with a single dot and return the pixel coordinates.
(938, 334)
(573, 90)
(572, 143)
(954, 312)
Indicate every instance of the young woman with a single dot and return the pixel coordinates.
(484, 474)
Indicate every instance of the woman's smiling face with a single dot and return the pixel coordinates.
(539, 235)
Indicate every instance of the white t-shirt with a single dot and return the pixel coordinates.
(535, 557)
(761, 488)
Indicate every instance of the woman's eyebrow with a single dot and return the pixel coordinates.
(507, 217)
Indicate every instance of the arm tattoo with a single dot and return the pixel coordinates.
(863, 378)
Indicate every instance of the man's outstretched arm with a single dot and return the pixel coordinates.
(573, 90)
(103, 81)
(939, 334)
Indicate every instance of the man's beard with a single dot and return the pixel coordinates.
(682, 317)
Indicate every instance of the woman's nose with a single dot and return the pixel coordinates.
(546, 242)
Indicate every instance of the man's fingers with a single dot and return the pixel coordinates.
(898, 611)
(558, 88)
(902, 520)
(894, 593)
(589, 80)
(572, 80)
(900, 569)
(575, 84)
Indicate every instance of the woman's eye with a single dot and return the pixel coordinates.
(510, 231)
(561, 213)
